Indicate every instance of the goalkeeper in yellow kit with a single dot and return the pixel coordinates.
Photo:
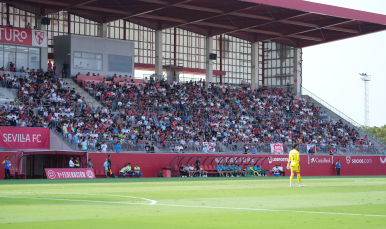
(293, 163)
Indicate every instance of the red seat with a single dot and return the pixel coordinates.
(176, 171)
(211, 167)
(206, 168)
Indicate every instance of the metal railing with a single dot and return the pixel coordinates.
(364, 129)
(12, 74)
(129, 146)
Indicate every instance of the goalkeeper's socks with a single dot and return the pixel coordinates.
(291, 185)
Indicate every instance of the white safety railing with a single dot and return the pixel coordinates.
(364, 129)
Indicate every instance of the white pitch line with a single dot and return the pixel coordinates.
(270, 210)
(152, 202)
(91, 201)
(189, 206)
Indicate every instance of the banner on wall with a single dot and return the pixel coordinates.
(277, 149)
(210, 146)
(24, 138)
(21, 36)
(69, 173)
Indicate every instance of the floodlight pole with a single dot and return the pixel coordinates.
(366, 78)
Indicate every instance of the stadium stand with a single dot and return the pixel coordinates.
(155, 116)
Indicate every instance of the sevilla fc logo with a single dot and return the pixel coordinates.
(90, 174)
(51, 174)
(39, 36)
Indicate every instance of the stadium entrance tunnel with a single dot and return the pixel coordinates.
(31, 164)
(209, 163)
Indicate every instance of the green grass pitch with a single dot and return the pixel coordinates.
(253, 203)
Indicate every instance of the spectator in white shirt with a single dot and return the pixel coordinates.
(275, 170)
(104, 147)
(281, 170)
(71, 163)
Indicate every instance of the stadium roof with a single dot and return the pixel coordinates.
(292, 22)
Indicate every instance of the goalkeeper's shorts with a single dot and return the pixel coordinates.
(295, 169)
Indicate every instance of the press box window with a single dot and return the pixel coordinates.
(120, 64)
(89, 61)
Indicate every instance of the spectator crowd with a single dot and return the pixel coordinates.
(173, 117)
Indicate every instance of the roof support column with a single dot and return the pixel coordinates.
(102, 30)
(297, 71)
(158, 53)
(208, 62)
(255, 66)
(38, 23)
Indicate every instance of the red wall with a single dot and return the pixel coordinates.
(316, 165)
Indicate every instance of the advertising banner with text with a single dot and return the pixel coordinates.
(277, 149)
(70, 173)
(24, 138)
(21, 36)
(310, 165)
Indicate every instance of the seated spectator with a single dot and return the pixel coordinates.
(219, 170)
(123, 171)
(192, 171)
(281, 170)
(137, 171)
(182, 171)
(275, 170)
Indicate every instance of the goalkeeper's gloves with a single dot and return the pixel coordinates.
(288, 166)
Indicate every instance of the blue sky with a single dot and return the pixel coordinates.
(331, 71)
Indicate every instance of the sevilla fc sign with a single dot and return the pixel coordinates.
(69, 173)
(24, 138)
(20, 36)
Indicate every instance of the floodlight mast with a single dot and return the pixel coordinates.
(366, 78)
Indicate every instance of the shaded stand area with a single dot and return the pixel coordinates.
(209, 163)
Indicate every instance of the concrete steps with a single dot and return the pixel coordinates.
(89, 98)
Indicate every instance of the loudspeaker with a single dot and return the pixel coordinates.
(45, 21)
(212, 56)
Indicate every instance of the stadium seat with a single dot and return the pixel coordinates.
(176, 171)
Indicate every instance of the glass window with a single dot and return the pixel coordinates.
(85, 60)
(21, 58)
(34, 58)
(2, 56)
(120, 64)
(9, 56)
(77, 54)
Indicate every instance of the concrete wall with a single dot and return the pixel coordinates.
(89, 44)
(44, 58)
(56, 143)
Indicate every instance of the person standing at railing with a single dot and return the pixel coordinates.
(117, 147)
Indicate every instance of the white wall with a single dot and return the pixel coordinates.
(98, 45)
